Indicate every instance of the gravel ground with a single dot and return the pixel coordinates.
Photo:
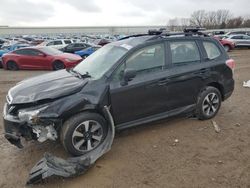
(147, 156)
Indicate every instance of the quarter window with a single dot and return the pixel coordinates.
(184, 52)
(147, 59)
(212, 50)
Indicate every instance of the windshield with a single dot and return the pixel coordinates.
(101, 61)
(51, 51)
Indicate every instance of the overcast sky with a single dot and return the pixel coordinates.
(108, 12)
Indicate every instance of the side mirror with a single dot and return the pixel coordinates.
(128, 75)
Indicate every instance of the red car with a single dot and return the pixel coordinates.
(39, 58)
(228, 45)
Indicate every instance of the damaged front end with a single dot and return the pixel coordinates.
(26, 123)
(51, 166)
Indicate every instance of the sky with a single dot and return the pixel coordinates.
(108, 12)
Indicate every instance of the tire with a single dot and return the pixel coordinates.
(74, 137)
(227, 48)
(11, 65)
(208, 103)
(58, 65)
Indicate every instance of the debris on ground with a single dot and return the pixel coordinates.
(216, 127)
(176, 141)
(237, 125)
(51, 166)
(246, 84)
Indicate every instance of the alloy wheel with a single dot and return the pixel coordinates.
(210, 104)
(87, 136)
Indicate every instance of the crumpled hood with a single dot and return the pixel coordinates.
(46, 86)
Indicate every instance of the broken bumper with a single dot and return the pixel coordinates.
(13, 132)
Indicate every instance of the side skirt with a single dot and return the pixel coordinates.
(182, 110)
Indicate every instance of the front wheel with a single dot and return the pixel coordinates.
(58, 65)
(11, 65)
(209, 102)
(83, 132)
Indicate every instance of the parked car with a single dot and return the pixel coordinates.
(6, 49)
(101, 42)
(129, 82)
(88, 51)
(72, 48)
(228, 45)
(57, 44)
(39, 58)
(239, 40)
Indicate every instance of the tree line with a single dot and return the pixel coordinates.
(220, 19)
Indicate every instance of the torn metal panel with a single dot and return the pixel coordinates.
(50, 166)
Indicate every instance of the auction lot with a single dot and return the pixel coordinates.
(171, 153)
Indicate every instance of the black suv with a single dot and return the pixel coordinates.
(136, 80)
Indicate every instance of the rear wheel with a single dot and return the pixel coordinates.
(83, 133)
(209, 102)
(58, 65)
(11, 65)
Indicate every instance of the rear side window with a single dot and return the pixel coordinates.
(212, 50)
(184, 52)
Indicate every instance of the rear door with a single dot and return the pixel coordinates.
(146, 94)
(186, 73)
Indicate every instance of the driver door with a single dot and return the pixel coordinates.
(144, 95)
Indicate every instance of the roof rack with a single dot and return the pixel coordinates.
(162, 33)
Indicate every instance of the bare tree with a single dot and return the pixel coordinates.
(235, 22)
(198, 18)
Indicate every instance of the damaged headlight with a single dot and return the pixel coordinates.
(30, 115)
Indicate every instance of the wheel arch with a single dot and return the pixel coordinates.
(219, 87)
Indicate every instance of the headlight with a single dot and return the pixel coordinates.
(69, 60)
(30, 115)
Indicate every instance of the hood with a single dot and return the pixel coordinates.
(46, 86)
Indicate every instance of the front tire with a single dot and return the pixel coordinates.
(58, 65)
(83, 132)
(11, 65)
(208, 104)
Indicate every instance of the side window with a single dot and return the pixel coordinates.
(147, 59)
(237, 37)
(184, 52)
(58, 42)
(212, 50)
(50, 43)
(20, 52)
(67, 41)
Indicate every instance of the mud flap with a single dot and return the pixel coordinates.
(51, 166)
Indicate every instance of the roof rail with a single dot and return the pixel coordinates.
(192, 31)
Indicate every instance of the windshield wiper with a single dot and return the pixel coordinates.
(79, 75)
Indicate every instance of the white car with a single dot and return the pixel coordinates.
(58, 44)
(239, 40)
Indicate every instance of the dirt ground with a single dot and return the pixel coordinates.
(147, 156)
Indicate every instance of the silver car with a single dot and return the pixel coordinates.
(239, 40)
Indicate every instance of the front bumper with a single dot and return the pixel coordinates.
(13, 131)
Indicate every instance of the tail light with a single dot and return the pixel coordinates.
(231, 64)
